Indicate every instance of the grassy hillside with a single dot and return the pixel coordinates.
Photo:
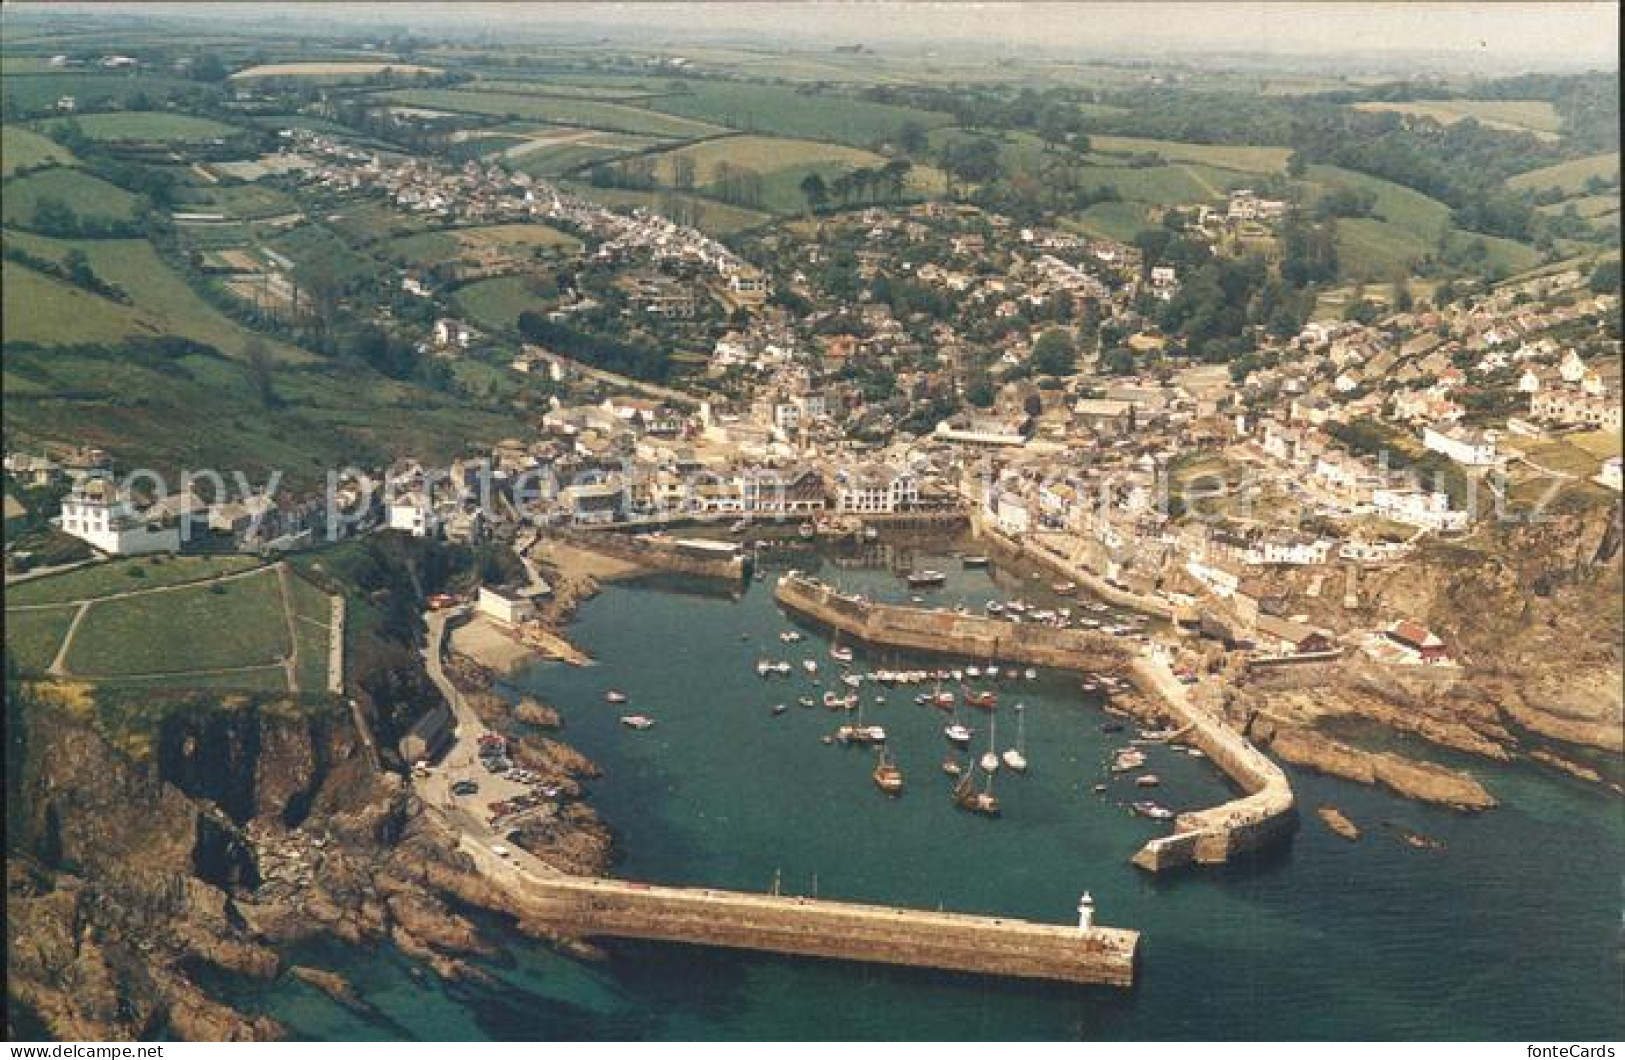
(1536, 116)
(786, 111)
(1569, 176)
(53, 312)
(25, 149)
(148, 125)
(91, 198)
(1245, 159)
(592, 114)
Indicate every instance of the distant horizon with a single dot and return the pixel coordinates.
(1438, 37)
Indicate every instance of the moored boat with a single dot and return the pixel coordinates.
(958, 734)
(637, 721)
(888, 778)
(1150, 780)
(1016, 757)
(1155, 811)
(924, 579)
(614, 696)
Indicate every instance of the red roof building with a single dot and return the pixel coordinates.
(1419, 639)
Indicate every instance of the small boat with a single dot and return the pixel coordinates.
(1090, 685)
(1150, 780)
(810, 665)
(614, 696)
(807, 701)
(1195, 752)
(973, 671)
(958, 734)
(740, 527)
(781, 667)
(924, 579)
(871, 534)
(779, 708)
(840, 654)
(835, 702)
(990, 757)
(790, 636)
(1065, 588)
(851, 680)
(637, 721)
(973, 562)
(951, 765)
(942, 700)
(1099, 789)
(986, 700)
(966, 797)
(887, 776)
(1128, 761)
(1030, 674)
(763, 667)
(1153, 810)
(994, 607)
(1016, 757)
(860, 734)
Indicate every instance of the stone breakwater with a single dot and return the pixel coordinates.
(809, 927)
(1264, 814)
(949, 632)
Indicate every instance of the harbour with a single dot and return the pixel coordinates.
(1344, 939)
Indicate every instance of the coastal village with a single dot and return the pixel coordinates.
(1340, 449)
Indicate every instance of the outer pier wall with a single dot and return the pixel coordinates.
(840, 930)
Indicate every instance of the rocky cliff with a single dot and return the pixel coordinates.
(141, 864)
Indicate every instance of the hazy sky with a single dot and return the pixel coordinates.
(1500, 33)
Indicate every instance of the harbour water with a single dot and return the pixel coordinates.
(1512, 930)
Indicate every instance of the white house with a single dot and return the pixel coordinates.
(1289, 551)
(414, 513)
(94, 514)
(504, 605)
(1427, 509)
(1012, 514)
(450, 333)
(1467, 448)
(875, 489)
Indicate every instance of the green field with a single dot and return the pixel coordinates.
(1569, 176)
(38, 93)
(25, 149)
(90, 198)
(34, 637)
(246, 201)
(1121, 221)
(148, 125)
(785, 111)
(124, 575)
(51, 312)
(587, 113)
(520, 241)
(206, 627)
(546, 86)
(1245, 159)
(495, 304)
(783, 165)
(1585, 205)
(1535, 116)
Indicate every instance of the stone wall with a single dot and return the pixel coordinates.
(839, 930)
(947, 632)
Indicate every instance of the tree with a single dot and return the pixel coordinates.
(1605, 277)
(1400, 298)
(911, 137)
(682, 171)
(257, 363)
(1054, 353)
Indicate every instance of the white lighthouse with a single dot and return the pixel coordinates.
(1086, 912)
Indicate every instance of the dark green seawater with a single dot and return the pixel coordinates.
(1513, 931)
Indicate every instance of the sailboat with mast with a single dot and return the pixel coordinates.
(990, 757)
(1016, 757)
(968, 798)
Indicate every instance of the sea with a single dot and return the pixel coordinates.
(1511, 927)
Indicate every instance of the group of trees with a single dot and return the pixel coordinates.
(631, 356)
(862, 185)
